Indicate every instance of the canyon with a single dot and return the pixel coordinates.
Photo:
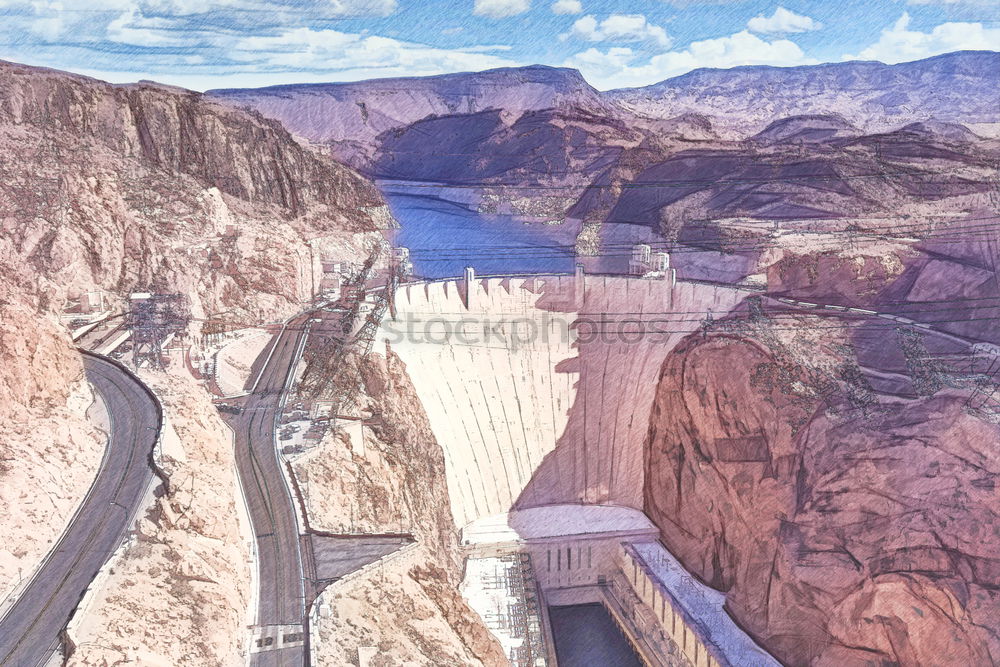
(717, 354)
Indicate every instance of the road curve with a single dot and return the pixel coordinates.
(281, 598)
(30, 630)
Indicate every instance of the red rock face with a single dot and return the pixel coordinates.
(840, 540)
(180, 132)
(147, 186)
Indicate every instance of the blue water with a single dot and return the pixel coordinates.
(445, 236)
(586, 636)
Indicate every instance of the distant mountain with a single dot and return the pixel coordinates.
(960, 87)
(350, 116)
(787, 145)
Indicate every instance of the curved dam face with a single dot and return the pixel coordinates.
(539, 389)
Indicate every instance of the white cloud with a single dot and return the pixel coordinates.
(783, 21)
(567, 7)
(138, 30)
(500, 9)
(622, 67)
(584, 28)
(51, 19)
(898, 43)
(352, 56)
(363, 7)
(618, 28)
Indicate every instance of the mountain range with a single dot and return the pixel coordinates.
(957, 87)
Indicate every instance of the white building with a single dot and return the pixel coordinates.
(660, 262)
(639, 263)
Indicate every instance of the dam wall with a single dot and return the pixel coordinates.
(539, 388)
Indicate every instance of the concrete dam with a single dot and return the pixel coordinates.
(539, 390)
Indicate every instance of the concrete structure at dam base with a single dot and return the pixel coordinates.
(579, 554)
(539, 390)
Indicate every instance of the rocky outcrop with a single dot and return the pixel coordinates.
(846, 527)
(385, 477)
(389, 477)
(406, 612)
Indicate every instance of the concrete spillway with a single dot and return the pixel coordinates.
(539, 389)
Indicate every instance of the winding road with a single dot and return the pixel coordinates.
(279, 639)
(30, 630)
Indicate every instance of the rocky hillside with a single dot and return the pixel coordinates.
(389, 477)
(722, 209)
(959, 87)
(836, 475)
(536, 166)
(49, 450)
(124, 187)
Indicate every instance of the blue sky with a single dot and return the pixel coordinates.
(202, 44)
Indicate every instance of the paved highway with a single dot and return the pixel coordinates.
(30, 631)
(278, 640)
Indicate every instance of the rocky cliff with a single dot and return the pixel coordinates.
(837, 479)
(125, 187)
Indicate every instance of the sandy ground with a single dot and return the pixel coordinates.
(178, 594)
